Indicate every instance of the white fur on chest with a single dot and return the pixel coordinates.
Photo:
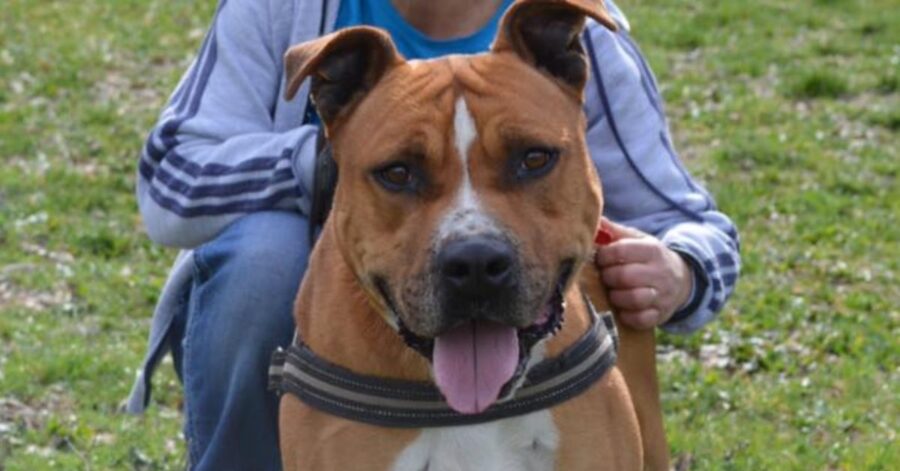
(526, 443)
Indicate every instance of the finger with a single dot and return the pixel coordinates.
(635, 299)
(632, 275)
(627, 251)
(641, 320)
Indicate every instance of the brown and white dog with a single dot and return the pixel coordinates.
(466, 204)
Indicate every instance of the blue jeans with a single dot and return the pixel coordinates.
(239, 309)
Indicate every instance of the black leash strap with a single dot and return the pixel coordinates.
(324, 183)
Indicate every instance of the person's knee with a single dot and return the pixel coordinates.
(247, 280)
(265, 243)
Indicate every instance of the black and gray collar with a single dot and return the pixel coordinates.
(413, 404)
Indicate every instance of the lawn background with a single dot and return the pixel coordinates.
(787, 110)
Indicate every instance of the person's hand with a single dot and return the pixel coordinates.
(647, 281)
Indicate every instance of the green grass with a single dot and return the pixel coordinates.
(818, 84)
(787, 110)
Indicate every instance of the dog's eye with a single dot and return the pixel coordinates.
(536, 162)
(396, 177)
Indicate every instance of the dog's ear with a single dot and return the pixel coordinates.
(545, 34)
(344, 66)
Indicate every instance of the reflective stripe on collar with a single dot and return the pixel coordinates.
(415, 404)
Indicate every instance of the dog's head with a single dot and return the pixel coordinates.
(467, 199)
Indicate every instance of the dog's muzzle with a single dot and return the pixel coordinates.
(486, 325)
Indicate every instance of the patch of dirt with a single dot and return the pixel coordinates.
(18, 417)
(683, 462)
(131, 84)
(12, 295)
(60, 294)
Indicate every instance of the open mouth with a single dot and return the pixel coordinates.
(479, 361)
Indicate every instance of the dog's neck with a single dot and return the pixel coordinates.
(338, 322)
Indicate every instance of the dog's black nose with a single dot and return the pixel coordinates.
(476, 267)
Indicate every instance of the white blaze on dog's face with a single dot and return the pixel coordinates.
(466, 199)
(467, 216)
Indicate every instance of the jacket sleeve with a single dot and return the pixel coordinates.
(216, 151)
(644, 182)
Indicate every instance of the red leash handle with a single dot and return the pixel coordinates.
(604, 236)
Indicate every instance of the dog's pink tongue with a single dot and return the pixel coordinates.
(472, 362)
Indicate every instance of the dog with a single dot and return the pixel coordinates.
(459, 239)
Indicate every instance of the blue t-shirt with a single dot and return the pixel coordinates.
(410, 41)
